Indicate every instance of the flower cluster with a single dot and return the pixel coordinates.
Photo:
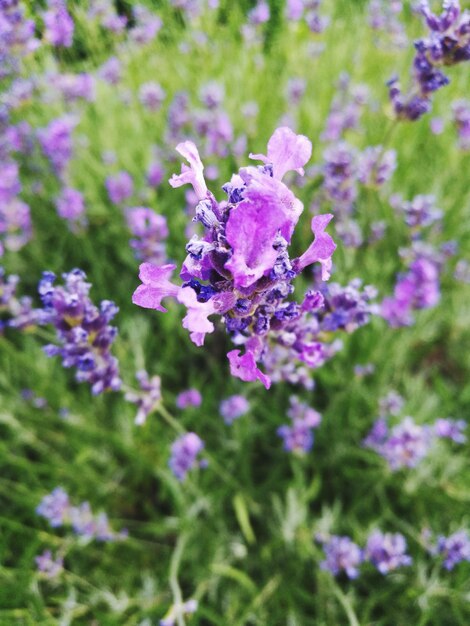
(407, 443)
(16, 37)
(298, 437)
(56, 508)
(419, 286)
(184, 452)
(58, 24)
(453, 549)
(448, 43)
(241, 269)
(386, 551)
(83, 330)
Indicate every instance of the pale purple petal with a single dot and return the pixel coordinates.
(192, 175)
(244, 367)
(251, 230)
(155, 287)
(286, 151)
(322, 247)
(196, 320)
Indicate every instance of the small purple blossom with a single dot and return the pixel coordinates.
(447, 428)
(184, 452)
(58, 510)
(342, 555)
(404, 445)
(56, 142)
(150, 231)
(55, 507)
(152, 95)
(298, 437)
(454, 549)
(49, 565)
(387, 551)
(187, 398)
(71, 206)
(233, 407)
(120, 187)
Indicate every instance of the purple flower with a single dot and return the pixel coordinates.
(240, 268)
(15, 225)
(184, 452)
(55, 507)
(56, 142)
(299, 436)
(120, 187)
(260, 14)
(391, 404)
(189, 397)
(386, 551)
(83, 331)
(71, 205)
(233, 407)
(58, 24)
(342, 555)
(147, 25)
(111, 71)
(150, 231)
(450, 429)
(405, 445)
(49, 565)
(418, 289)
(448, 43)
(152, 96)
(376, 166)
(454, 549)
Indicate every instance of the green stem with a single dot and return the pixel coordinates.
(174, 585)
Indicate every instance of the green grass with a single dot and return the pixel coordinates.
(244, 527)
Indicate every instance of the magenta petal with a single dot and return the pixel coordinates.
(251, 230)
(322, 247)
(156, 286)
(244, 367)
(148, 298)
(286, 151)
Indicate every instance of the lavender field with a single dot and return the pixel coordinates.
(234, 313)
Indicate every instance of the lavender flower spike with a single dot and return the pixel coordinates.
(240, 269)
